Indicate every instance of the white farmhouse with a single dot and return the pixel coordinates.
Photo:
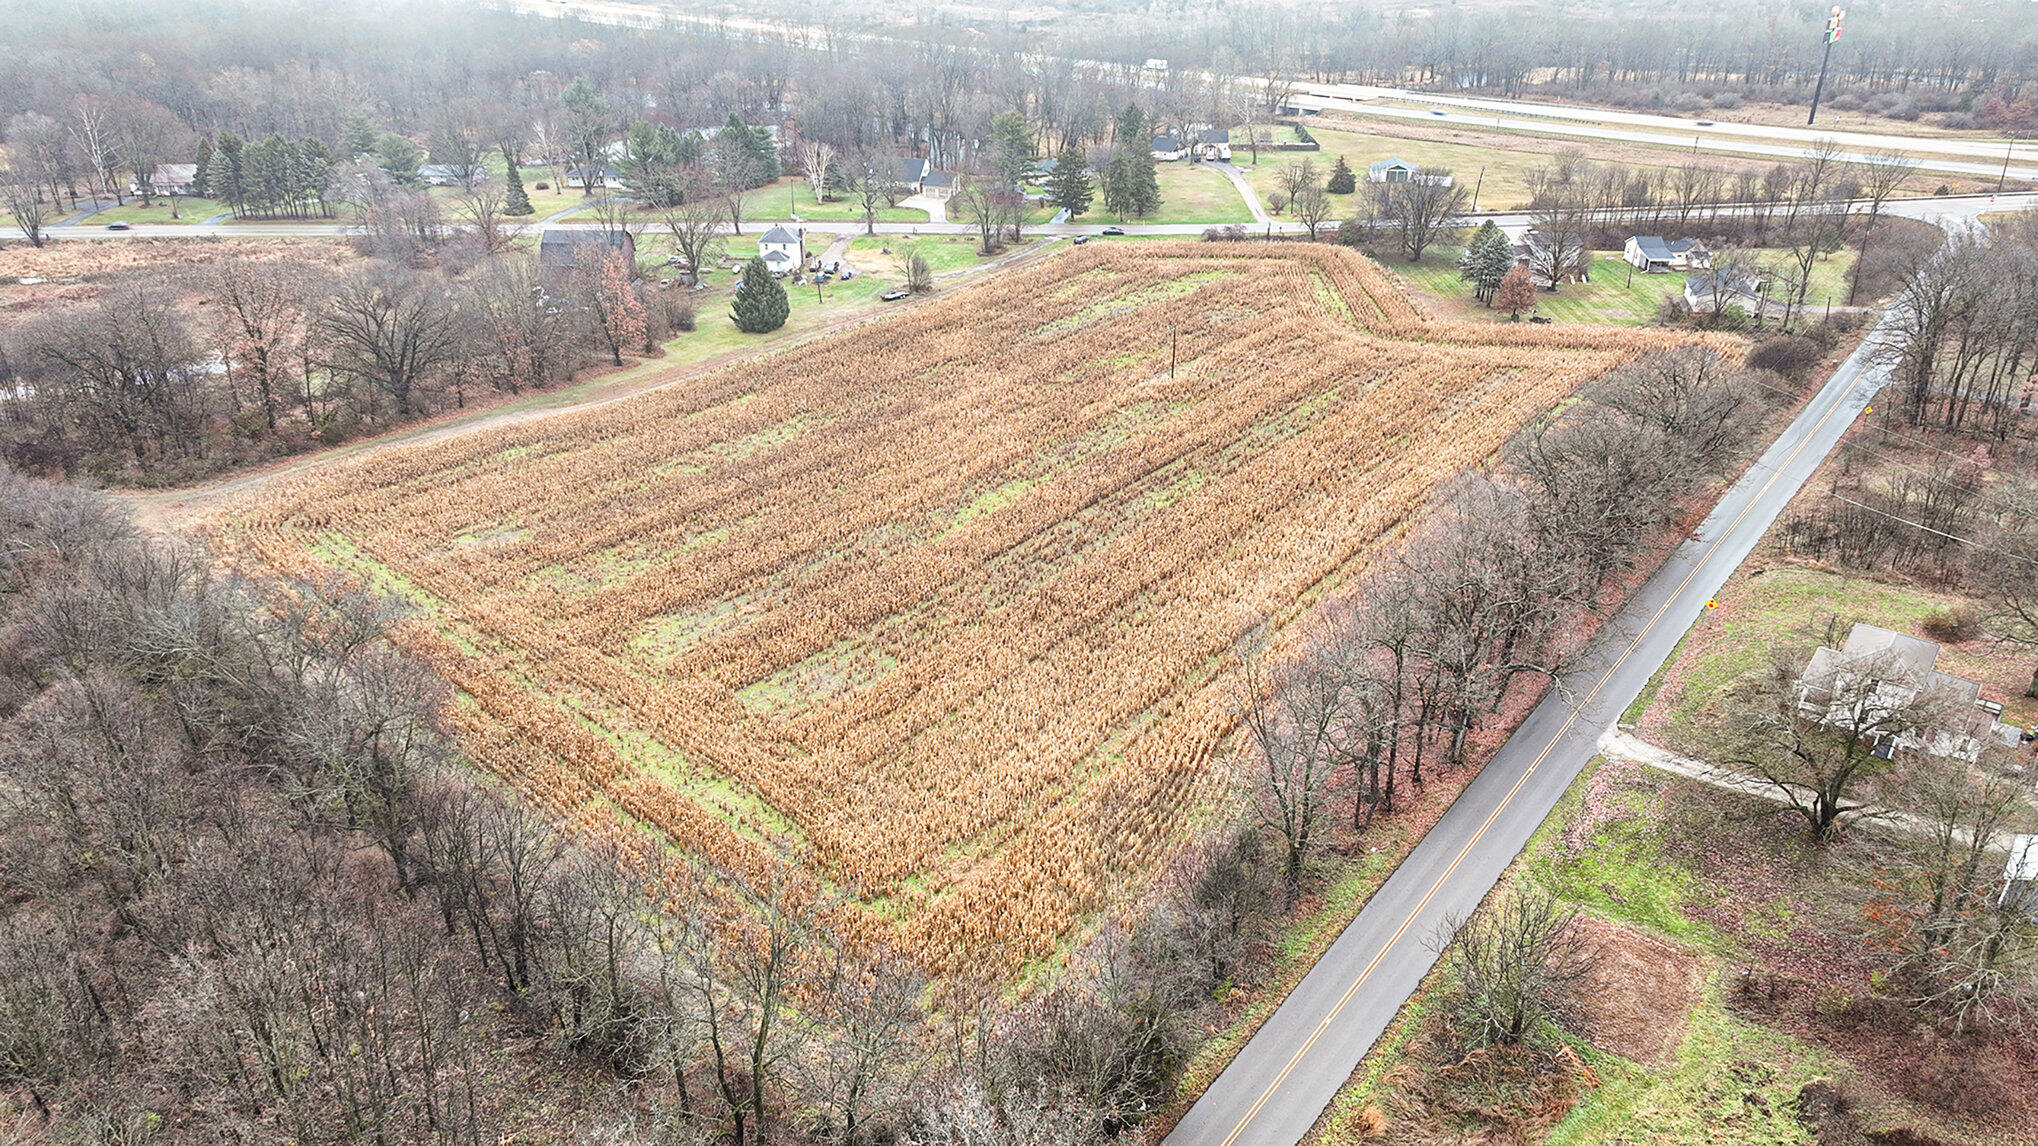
(782, 250)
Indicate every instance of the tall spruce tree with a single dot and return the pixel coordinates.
(223, 174)
(516, 201)
(1486, 261)
(1070, 186)
(760, 305)
(1342, 181)
(357, 138)
(201, 183)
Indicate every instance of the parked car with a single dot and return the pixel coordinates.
(813, 266)
(1113, 231)
(832, 266)
(894, 294)
(847, 274)
(1081, 239)
(119, 227)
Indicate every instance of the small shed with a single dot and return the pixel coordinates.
(601, 175)
(2020, 875)
(1396, 170)
(563, 248)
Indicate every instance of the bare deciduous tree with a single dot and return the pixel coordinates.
(1515, 966)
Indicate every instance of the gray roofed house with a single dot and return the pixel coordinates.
(938, 184)
(1904, 674)
(603, 176)
(1655, 254)
(911, 171)
(562, 248)
(1713, 291)
(1212, 143)
(447, 174)
(1394, 169)
(1168, 147)
(782, 250)
(169, 179)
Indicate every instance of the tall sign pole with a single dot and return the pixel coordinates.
(1832, 34)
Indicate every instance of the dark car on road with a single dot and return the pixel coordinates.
(119, 227)
(894, 294)
(1112, 231)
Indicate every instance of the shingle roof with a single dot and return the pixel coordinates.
(1390, 161)
(939, 179)
(1166, 143)
(1214, 135)
(912, 170)
(778, 235)
(560, 246)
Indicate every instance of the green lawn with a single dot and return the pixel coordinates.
(1190, 193)
(794, 196)
(1620, 871)
(189, 210)
(1792, 608)
(943, 253)
(1612, 297)
(1502, 188)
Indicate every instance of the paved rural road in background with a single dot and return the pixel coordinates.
(1287, 1073)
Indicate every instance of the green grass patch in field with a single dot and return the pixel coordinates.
(1701, 1096)
(993, 500)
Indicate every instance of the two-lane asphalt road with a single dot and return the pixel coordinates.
(1287, 1073)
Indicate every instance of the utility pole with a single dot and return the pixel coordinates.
(2005, 173)
(1832, 34)
(1476, 188)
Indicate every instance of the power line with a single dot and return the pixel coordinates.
(1940, 532)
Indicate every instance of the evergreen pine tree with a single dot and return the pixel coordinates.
(201, 183)
(357, 138)
(1070, 187)
(1342, 181)
(315, 173)
(516, 201)
(1486, 261)
(760, 305)
(223, 174)
(1132, 129)
(1146, 184)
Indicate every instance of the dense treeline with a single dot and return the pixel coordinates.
(1901, 60)
(1489, 592)
(308, 89)
(1933, 490)
(299, 92)
(168, 376)
(251, 892)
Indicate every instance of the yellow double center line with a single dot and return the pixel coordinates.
(1555, 739)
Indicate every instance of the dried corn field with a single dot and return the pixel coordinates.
(946, 603)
